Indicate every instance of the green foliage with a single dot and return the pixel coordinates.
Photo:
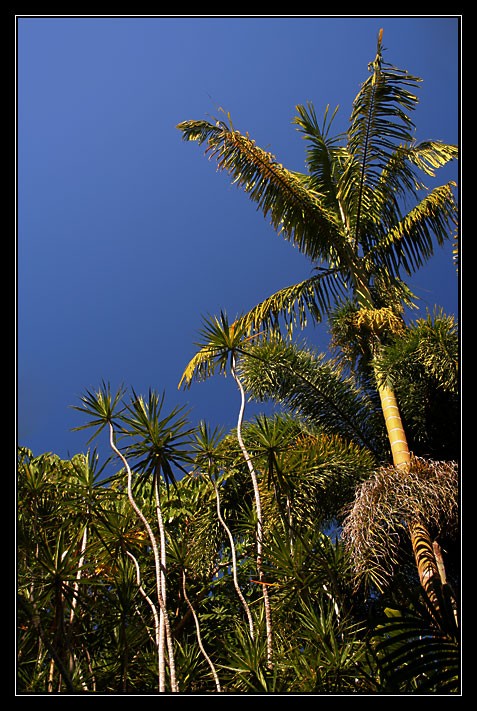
(423, 365)
(182, 513)
(312, 387)
(416, 648)
(98, 635)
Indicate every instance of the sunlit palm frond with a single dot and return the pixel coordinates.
(293, 305)
(410, 243)
(379, 119)
(326, 155)
(295, 211)
(379, 122)
(430, 155)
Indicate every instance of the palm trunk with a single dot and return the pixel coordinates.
(422, 545)
(394, 428)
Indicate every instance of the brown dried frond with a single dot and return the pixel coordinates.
(376, 523)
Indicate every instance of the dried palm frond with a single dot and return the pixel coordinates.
(376, 523)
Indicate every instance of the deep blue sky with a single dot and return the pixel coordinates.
(127, 236)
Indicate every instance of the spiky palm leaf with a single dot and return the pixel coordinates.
(220, 343)
(162, 441)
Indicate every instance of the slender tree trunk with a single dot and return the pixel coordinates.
(157, 561)
(258, 506)
(234, 559)
(162, 535)
(199, 637)
(75, 601)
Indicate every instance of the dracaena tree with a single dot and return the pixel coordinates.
(363, 217)
(158, 445)
(220, 345)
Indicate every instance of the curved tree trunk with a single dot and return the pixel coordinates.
(258, 507)
(157, 561)
(234, 559)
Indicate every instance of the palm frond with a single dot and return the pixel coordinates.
(417, 647)
(379, 119)
(379, 122)
(312, 389)
(326, 154)
(431, 344)
(220, 341)
(295, 211)
(294, 304)
(100, 407)
(410, 242)
(430, 155)
(162, 441)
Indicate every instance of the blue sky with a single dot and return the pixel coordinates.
(127, 236)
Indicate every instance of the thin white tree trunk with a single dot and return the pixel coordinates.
(146, 597)
(162, 538)
(157, 562)
(74, 601)
(199, 638)
(258, 506)
(234, 561)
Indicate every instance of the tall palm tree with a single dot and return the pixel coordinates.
(348, 215)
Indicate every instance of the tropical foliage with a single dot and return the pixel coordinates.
(89, 611)
(365, 219)
(287, 555)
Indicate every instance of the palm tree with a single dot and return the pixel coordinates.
(348, 216)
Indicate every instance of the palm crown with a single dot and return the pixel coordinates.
(346, 214)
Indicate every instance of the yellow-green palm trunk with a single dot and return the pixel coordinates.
(394, 428)
(422, 545)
